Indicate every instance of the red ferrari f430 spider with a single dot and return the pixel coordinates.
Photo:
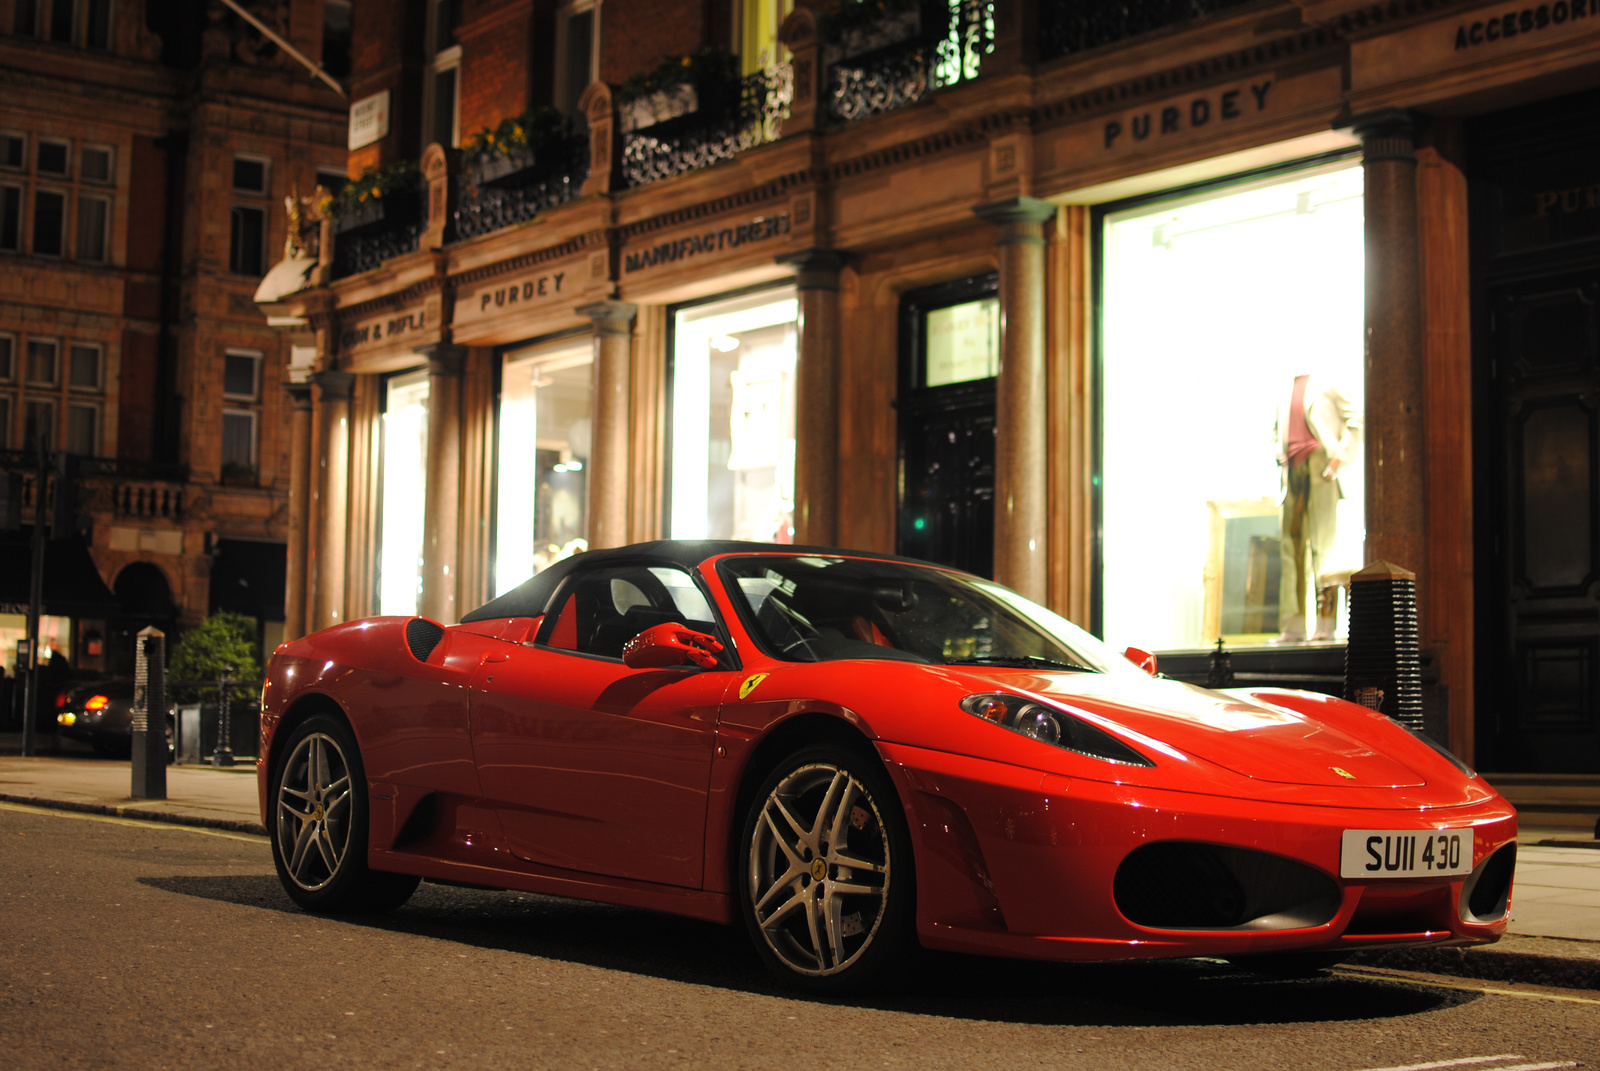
(850, 754)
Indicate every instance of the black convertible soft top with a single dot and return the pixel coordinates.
(530, 598)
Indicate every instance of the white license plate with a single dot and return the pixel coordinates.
(1405, 853)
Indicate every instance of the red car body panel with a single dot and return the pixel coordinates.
(551, 771)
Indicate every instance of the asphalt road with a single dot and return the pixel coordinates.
(137, 945)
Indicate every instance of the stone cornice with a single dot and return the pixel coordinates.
(595, 239)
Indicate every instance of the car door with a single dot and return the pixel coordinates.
(594, 766)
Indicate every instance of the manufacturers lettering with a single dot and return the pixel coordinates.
(1527, 20)
(757, 230)
(1199, 112)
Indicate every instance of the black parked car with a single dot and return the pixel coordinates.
(100, 714)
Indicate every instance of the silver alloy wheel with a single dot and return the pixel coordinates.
(819, 869)
(314, 811)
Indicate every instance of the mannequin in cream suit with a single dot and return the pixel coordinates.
(1311, 453)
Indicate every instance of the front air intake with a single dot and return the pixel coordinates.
(422, 636)
(1486, 893)
(1183, 885)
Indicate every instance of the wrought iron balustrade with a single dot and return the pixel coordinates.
(1068, 26)
(752, 115)
(943, 47)
(358, 251)
(484, 210)
(130, 488)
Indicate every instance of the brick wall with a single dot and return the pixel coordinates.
(499, 46)
(635, 35)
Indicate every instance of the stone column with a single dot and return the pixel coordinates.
(1394, 384)
(294, 595)
(608, 451)
(816, 397)
(1021, 478)
(442, 504)
(332, 491)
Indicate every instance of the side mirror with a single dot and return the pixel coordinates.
(1143, 659)
(663, 646)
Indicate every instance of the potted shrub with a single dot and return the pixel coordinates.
(516, 151)
(388, 195)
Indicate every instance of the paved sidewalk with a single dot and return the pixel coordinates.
(196, 795)
(1554, 936)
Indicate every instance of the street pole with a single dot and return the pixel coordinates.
(223, 754)
(35, 596)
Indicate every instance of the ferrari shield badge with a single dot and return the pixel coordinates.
(750, 684)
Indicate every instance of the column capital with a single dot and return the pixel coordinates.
(300, 392)
(1019, 218)
(1387, 134)
(610, 317)
(444, 358)
(333, 386)
(815, 269)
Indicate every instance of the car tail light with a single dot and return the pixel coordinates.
(69, 719)
(1051, 725)
(61, 700)
(97, 702)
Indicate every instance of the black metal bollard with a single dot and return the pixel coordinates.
(149, 717)
(223, 755)
(1383, 660)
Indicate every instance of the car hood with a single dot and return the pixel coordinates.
(1257, 740)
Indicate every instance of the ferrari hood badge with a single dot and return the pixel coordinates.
(755, 679)
(1343, 772)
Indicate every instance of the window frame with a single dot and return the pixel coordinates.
(256, 357)
(85, 147)
(564, 15)
(234, 216)
(20, 191)
(255, 444)
(5, 421)
(86, 21)
(61, 236)
(440, 61)
(79, 232)
(38, 158)
(49, 403)
(8, 372)
(27, 372)
(75, 406)
(21, 136)
(99, 351)
(266, 175)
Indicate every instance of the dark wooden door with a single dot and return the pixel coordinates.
(947, 477)
(1542, 680)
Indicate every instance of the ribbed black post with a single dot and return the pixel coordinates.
(1220, 675)
(149, 716)
(1383, 660)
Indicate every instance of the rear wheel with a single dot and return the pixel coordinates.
(826, 879)
(319, 824)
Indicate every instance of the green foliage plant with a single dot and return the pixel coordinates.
(708, 66)
(223, 639)
(525, 133)
(374, 184)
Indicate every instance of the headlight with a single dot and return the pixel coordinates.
(69, 719)
(1051, 725)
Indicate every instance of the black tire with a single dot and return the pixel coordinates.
(828, 919)
(319, 824)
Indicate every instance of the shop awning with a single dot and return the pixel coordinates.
(72, 583)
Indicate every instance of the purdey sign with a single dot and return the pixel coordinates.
(500, 303)
(1199, 111)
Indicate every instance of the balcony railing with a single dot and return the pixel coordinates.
(553, 180)
(1070, 26)
(907, 55)
(131, 489)
(365, 249)
(750, 113)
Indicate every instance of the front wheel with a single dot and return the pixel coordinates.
(319, 824)
(826, 882)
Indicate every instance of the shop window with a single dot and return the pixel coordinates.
(55, 635)
(1214, 305)
(404, 488)
(39, 419)
(247, 240)
(42, 362)
(250, 174)
(10, 219)
(82, 429)
(49, 222)
(238, 444)
(94, 217)
(84, 366)
(443, 103)
(95, 164)
(97, 25)
(577, 52)
(13, 150)
(241, 370)
(546, 395)
(732, 420)
(53, 158)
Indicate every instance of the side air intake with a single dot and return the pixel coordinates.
(422, 636)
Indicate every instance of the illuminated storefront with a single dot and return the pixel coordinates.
(404, 493)
(1212, 305)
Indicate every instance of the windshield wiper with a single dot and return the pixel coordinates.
(1020, 661)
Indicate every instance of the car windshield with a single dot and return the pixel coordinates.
(806, 608)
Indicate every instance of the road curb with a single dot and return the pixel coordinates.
(1492, 964)
(143, 814)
